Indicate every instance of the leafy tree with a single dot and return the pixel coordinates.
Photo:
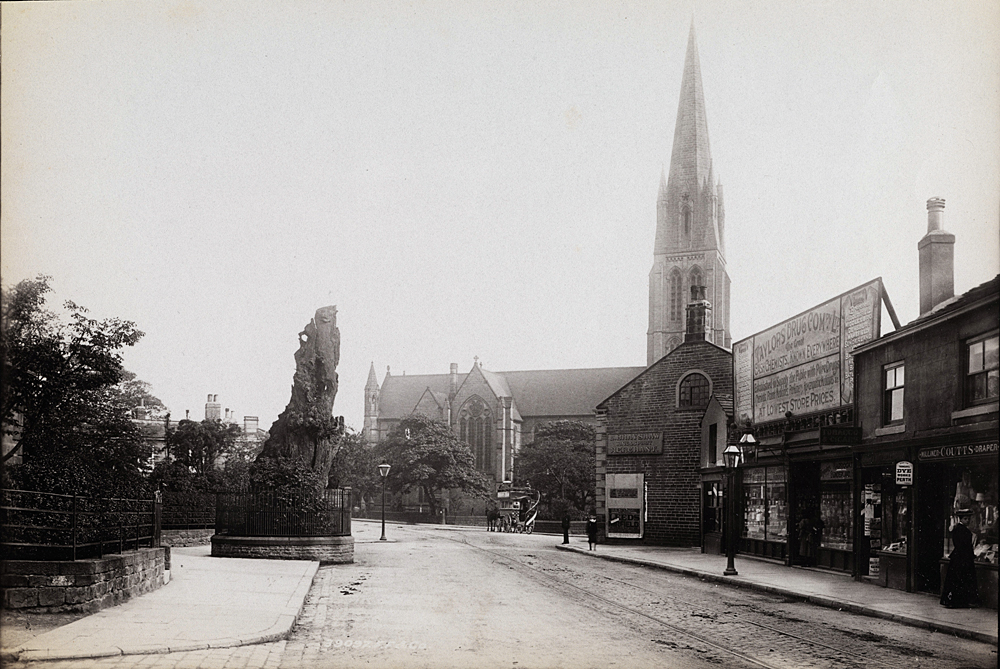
(199, 446)
(560, 464)
(425, 453)
(62, 397)
(356, 465)
(136, 393)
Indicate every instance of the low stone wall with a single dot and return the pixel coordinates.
(338, 550)
(84, 585)
(179, 538)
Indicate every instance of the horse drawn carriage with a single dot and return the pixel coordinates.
(515, 510)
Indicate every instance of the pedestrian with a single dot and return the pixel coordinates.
(960, 589)
(565, 527)
(805, 541)
(592, 531)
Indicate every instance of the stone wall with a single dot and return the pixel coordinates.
(178, 538)
(650, 404)
(83, 585)
(339, 550)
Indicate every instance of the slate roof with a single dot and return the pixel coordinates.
(983, 290)
(543, 392)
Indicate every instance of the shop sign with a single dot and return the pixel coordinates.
(957, 451)
(904, 473)
(876, 458)
(804, 364)
(839, 435)
(626, 505)
(635, 443)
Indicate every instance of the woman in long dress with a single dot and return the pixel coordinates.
(960, 589)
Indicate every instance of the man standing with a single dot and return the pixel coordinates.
(592, 531)
(565, 527)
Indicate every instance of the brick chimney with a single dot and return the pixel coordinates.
(250, 425)
(699, 315)
(213, 410)
(937, 259)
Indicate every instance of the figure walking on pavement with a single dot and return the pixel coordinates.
(592, 531)
(565, 527)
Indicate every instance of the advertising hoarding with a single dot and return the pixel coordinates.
(803, 364)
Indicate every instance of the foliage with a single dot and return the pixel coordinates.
(136, 393)
(199, 446)
(290, 479)
(62, 397)
(560, 464)
(424, 453)
(356, 465)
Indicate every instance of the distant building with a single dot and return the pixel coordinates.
(250, 440)
(494, 412)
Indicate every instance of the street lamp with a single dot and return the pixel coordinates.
(383, 471)
(732, 456)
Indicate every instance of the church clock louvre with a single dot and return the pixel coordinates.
(689, 248)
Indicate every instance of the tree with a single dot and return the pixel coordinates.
(560, 464)
(425, 453)
(355, 464)
(62, 397)
(201, 446)
(136, 393)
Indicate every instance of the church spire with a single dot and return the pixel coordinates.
(689, 249)
(691, 158)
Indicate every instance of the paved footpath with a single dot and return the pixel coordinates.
(208, 603)
(818, 586)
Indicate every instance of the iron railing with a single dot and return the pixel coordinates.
(267, 514)
(48, 526)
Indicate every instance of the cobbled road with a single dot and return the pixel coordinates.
(460, 597)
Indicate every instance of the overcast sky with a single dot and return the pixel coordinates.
(472, 178)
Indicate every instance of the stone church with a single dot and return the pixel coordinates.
(497, 412)
(494, 412)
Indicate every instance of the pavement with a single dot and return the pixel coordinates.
(817, 586)
(208, 603)
(226, 602)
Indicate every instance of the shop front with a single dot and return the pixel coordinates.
(957, 483)
(911, 497)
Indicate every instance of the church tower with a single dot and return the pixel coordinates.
(370, 434)
(689, 249)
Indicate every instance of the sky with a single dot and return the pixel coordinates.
(473, 178)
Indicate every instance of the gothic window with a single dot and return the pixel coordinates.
(694, 391)
(687, 222)
(676, 295)
(476, 429)
(696, 277)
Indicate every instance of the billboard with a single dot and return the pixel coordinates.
(804, 364)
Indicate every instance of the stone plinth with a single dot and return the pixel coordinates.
(337, 550)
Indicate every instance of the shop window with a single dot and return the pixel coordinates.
(892, 404)
(835, 505)
(713, 506)
(694, 391)
(971, 495)
(982, 377)
(765, 504)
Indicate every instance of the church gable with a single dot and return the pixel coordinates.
(475, 384)
(431, 404)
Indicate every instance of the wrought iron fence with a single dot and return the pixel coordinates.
(267, 514)
(188, 511)
(48, 526)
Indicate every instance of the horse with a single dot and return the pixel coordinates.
(492, 516)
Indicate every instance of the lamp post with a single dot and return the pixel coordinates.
(732, 457)
(383, 470)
